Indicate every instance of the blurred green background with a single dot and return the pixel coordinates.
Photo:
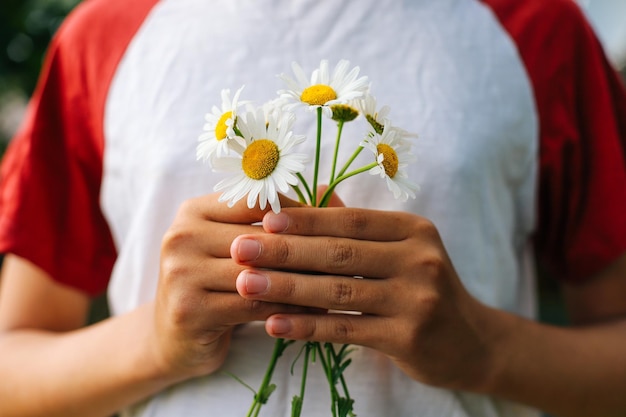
(26, 27)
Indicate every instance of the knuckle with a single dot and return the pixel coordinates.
(432, 263)
(343, 329)
(429, 303)
(170, 268)
(255, 306)
(342, 294)
(308, 332)
(182, 310)
(427, 229)
(288, 288)
(340, 255)
(354, 222)
(187, 206)
(175, 238)
(281, 251)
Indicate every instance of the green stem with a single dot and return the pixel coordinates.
(352, 158)
(306, 186)
(301, 197)
(258, 400)
(329, 191)
(341, 378)
(305, 370)
(257, 409)
(339, 130)
(317, 156)
(329, 376)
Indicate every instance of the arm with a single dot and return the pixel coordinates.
(52, 366)
(577, 371)
(416, 311)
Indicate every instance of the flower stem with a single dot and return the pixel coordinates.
(296, 409)
(329, 377)
(301, 197)
(352, 158)
(337, 358)
(339, 130)
(317, 156)
(264, 391)
(306, 186)
(329, 191)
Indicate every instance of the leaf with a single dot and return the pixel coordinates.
(344, 407)
(338, 369)
(236, 378)
(263, 396)
(296, 406)
(293, 364)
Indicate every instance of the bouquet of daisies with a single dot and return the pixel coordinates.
(258, 146)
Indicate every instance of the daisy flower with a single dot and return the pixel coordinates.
(267, 164)
(378, 119)
(324, 89)
(219, 130)
(392, 156)
(274, 109)
(344, 112)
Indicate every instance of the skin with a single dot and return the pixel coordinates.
(415, 311)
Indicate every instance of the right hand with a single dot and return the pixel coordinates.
(197, 304)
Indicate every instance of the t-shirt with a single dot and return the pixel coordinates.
(521, 124)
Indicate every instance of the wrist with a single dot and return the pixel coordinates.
(494, 329)
(173, 358)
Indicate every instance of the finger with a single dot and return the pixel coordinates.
(337, 256)
(189, 238)
(216, 294)
(340, 222)
(232, 309)
(209, 207)
(219, 275)
(368, 331)
(319, 291)
(216, 239)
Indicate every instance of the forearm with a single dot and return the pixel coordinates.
(94, 371)
(568, 372)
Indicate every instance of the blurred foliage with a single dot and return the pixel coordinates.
(26, 27)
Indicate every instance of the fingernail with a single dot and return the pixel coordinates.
(276, 222)
(279, 326)
(254, 282)
(247, 249)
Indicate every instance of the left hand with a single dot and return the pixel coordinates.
(414, 307)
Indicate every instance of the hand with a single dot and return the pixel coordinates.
(414, 308)
(197, 305)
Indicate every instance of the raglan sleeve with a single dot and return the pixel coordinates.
(51, 173)
(582, 198)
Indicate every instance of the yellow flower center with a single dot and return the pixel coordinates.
(260, 159)
(318, 95)
(390, 159)
(220, 128)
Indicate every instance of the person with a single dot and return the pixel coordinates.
(521, 149)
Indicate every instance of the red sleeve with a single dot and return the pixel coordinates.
(582, 116)
(51, 174)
